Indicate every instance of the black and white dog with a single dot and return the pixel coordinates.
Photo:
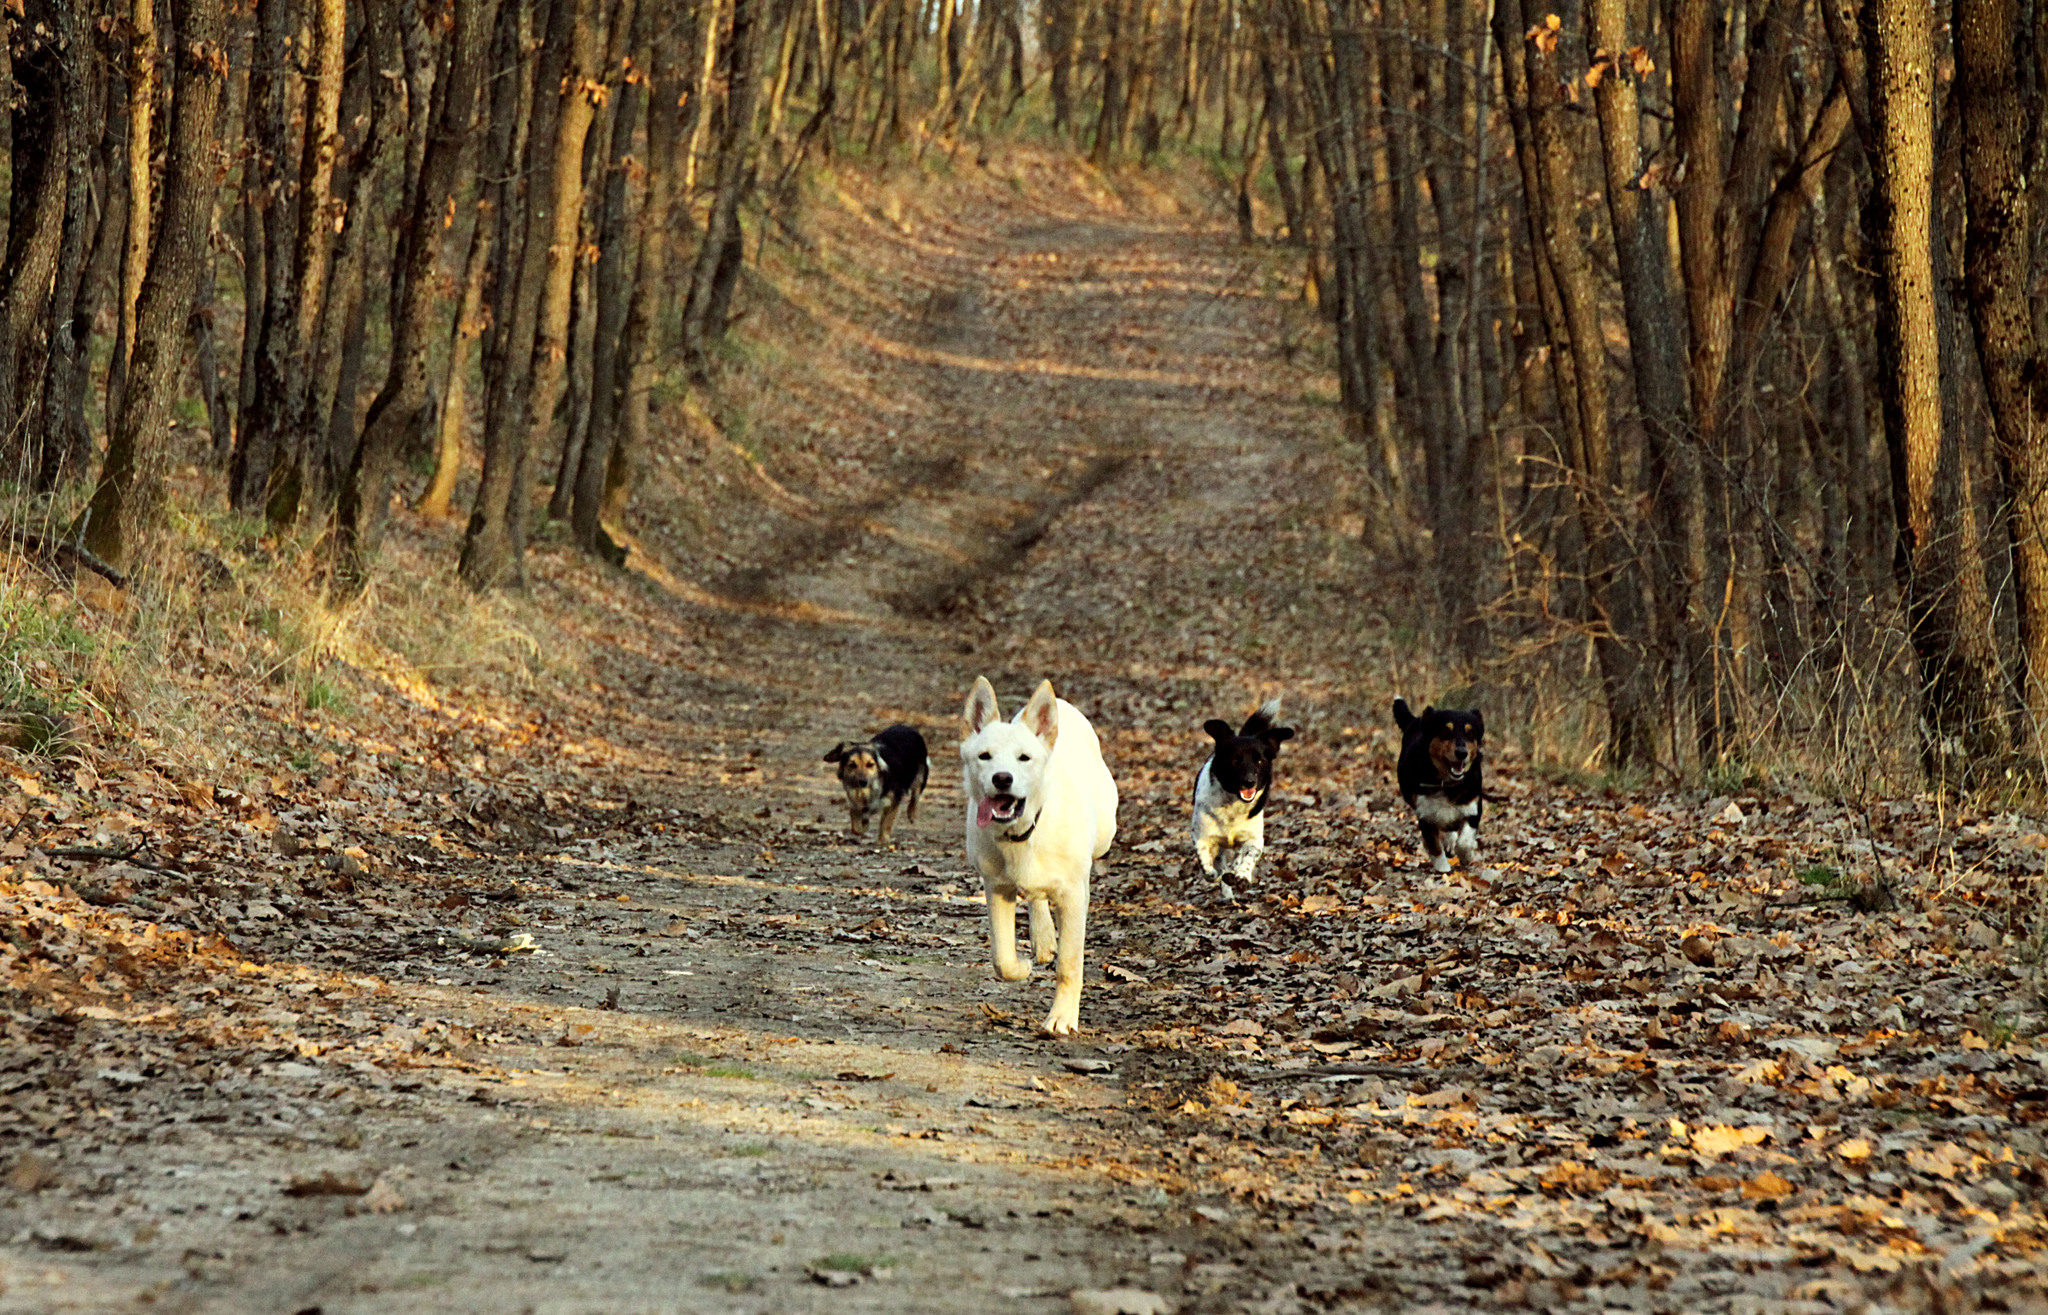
(1439, 775)
(1232, 789)
(881, 775)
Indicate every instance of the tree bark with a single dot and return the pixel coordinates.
(1677, 533)
(461, 351)
(614, 279)
(603, 493)
(143, 58)
(445, 168)
(63, 445)
(1610, 578)
(494, 549)
(302, 444)
(37, 195)
(721, 227)
(1957, 669)
(266, 424)
(127, 503)
(2000, 111)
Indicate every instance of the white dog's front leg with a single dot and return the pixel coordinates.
(1208, 843)
(1247, 859)
(1065, 1018)
(1044, 940)
(1002, 936)
(1468, 845)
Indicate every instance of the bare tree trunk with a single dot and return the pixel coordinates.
(1999, 113)
(266, 424)
(461, 349)
(37, 193)
(1109, 127)
(1677, 534)
(493, 551)
(445, 169)
(1060, 32)
(721, 228)
(613, 277)
(1276, 147)
(331, 402)
(598, 301)
(603, 492)
(127, 504)
(62, 447)
(300, 447)
(1957, 669)
(1611, 581)
(143, 59)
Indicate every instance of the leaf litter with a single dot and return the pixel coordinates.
(1650, 1054)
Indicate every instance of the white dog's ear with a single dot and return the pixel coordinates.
(1041, 716)
(981, 706)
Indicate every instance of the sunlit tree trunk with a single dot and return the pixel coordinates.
(1935, 567)
(127, 503)
(445, 168)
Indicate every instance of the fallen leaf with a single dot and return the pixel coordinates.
(383, 1198)
(1718, 1139)
(1767, 1186)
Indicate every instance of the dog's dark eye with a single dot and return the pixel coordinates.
(1023, 757)
(986, 756)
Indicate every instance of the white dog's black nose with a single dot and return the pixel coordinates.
(1001, 781)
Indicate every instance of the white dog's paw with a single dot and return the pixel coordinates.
(1064, 1020)
(1046, 952)
(1440, 862)
(1012, 971)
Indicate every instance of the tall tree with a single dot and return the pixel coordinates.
(447, 163)
(494, 549)
(127, 503)
(721, 245)
(2001, 103)
(1940, 582)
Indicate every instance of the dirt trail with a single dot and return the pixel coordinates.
(757, 1066)
(804, 1073)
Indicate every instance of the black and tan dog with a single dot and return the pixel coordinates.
(1439, 775)
(881, 775)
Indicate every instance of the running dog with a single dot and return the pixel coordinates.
(1439, 775)
(880, 776)
(1041, 808)
(1231, 792)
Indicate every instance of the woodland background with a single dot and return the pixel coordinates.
(394, 892)
(1692, 352)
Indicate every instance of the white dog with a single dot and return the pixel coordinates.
(1041, 808)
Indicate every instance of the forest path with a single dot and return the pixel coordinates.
(755, 1065)
(748, 1044)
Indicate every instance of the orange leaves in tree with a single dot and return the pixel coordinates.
(1606, 61)
(1545, 34)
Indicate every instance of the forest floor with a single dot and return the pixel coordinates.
(578, 998)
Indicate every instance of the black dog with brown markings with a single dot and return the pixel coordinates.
(881, 775)
(1439, 776)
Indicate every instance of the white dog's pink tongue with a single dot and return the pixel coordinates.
(984, 812)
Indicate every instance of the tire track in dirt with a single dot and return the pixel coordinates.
(1001, 475)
